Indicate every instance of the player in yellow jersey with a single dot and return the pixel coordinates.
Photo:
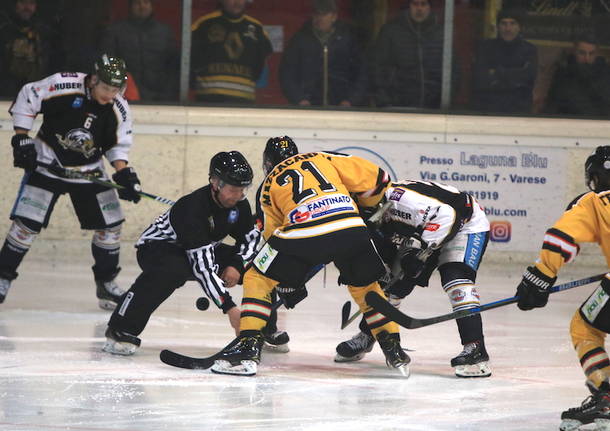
(587, 219)
(310, 218)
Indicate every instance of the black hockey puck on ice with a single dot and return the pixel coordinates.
(202, 303)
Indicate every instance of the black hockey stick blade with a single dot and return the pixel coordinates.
(384, 307)
(182, 361)
(345, 310)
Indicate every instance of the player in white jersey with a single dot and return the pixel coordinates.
(84, 118)
(422, 226)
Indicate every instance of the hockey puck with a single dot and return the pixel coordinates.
(202, 303)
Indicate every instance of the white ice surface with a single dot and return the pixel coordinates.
(53, 375)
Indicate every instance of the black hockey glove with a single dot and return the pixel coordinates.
(413, 253)
(533, 291)
(24, 152)
(291, 296)
(128, 178)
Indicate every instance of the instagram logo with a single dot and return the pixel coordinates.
(499, 231)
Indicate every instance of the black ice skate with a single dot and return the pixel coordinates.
(355, 348)
(395, 356)
(242, 358)
(5, 285)
(595, 408)
(120, 343)
(276, 342)
(472, 361)
(108, 294)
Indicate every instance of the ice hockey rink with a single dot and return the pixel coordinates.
(53, 375)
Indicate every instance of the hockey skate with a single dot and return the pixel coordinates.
(120, 343)
(472, 361)
(5, 285)
(108, 294)
(395, 356)
(595, 408)
(355, 348)
(241, 359)
(276, 342)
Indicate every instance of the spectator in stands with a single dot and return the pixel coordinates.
(505, 69)
(581, 85)
(322, 63)
(408, 59)
(29, 48)
(149, 49)
(229, 49)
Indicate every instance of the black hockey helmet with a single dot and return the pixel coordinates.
(597, 169)
(111, 70)
(232, 168)
(277, 150)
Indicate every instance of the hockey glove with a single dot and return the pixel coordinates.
(24, 152)
(291, 296)
(533, 291)
(128, 178)
(413, 254)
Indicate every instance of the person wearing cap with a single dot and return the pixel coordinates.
(185, 243)
(149, 47)
(505, 69)
(408, 59)
(322, 64)
(84, 118)
(581, 83)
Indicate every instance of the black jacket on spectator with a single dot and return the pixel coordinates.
(504, 76)
(580, 89)
(150, 53)
(408, 63)
(29, 52)
(301, 67)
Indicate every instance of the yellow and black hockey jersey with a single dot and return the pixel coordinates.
(308, 195)
(586, 220)
(227, 57)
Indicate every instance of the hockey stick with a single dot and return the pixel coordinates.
(346, 319)
(182, 361)
(74, 174)
(384, 307)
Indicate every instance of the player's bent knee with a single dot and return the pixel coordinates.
(109, 238)
(21, 236)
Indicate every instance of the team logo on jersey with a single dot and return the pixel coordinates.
(233, 215)
(78, 102)
(216, 33)
(321, 207)
(251, 32)
(432, 227)
(396, 194)
(78, 140)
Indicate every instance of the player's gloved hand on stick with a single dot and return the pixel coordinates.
(533, 291)
(412, 255)
(291, 296)
(24, 152)
(128, 178)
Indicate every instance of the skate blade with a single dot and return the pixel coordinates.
(602, 424)
(106, 304)
(477, 370)
(569, 425)
(276, 348)
(359, 356)
(245, 368)
(404, 370)
(118, 348)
